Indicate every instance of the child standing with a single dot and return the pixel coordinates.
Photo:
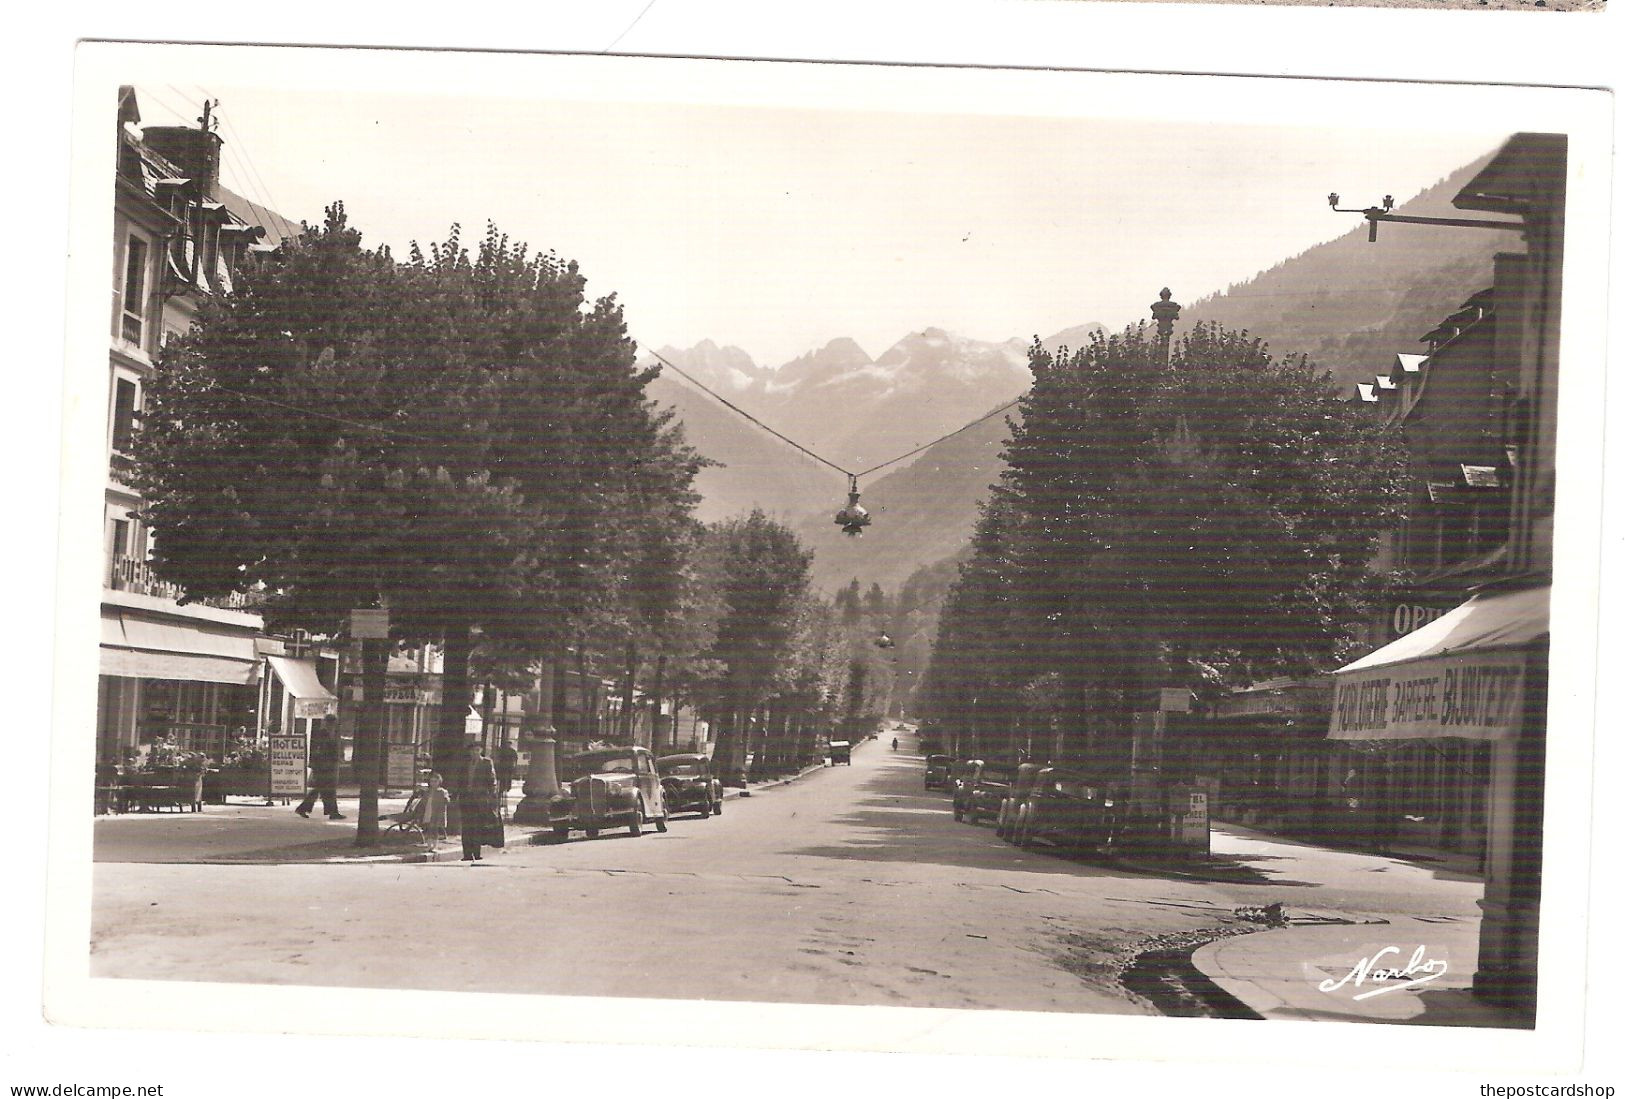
(435, 803)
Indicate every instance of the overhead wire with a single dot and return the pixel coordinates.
(849, 474)
(317, 415)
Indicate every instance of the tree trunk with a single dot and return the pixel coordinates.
(728, 751)
(488, 698)
(629, 722)
(655, 702)
(450, 757)
(589, 698)
(370, 736)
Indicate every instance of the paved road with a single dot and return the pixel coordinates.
(850, 886)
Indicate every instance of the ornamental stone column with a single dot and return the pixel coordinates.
(1165, 312)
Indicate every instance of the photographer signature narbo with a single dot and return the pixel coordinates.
(1418, 971)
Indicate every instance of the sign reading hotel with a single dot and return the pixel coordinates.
(1476, 695)
(287, 765)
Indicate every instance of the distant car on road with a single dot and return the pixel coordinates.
(607, 788)
(689, 785)
(978, 797)
(840, 751)
(1069, 809)
(936, 772)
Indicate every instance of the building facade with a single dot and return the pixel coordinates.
(189, 673)
(1478, 672)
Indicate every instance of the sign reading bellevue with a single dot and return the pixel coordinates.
(287, 765)
(1475, 695)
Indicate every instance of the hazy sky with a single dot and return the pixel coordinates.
(777, 230)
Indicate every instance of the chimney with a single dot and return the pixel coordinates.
(195, 152)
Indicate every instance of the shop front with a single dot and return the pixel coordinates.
(294, 698)
(1475, 676)
(184, 677)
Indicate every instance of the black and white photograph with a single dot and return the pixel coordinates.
(1034, 563)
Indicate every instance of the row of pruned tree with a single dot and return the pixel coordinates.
(1201, 515)
(463, 437)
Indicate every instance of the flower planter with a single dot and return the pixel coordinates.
(169, 788)
(224, 782)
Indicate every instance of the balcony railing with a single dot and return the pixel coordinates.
(134, 575)
(122, 467)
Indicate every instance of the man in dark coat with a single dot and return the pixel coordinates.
(324, 774)
(478, 805)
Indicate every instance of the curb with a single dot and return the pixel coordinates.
(746, 791)
(518, 837)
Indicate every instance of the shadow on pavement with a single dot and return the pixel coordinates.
(911, 825)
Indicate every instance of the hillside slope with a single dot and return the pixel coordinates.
(1349, 304)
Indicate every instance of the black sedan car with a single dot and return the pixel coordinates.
(689, 784)
(1068, 809)
(978, 797)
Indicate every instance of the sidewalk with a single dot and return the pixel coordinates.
(243, 831)
(1416, 970)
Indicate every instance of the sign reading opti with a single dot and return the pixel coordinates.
(287, 765)
(1474, 695)
(1409, 616)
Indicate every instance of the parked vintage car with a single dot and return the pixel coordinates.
(936, 772)
(689, 785)
(840, 751)
(978, 798)
(1020, 788)
(607, 788)
(1069, 809)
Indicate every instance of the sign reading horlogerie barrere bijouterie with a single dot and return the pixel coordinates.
(287, 765)
(1477, 695)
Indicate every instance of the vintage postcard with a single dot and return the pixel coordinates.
(773, 555)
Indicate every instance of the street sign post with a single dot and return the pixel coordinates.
(370, 623)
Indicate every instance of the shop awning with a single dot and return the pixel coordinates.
(145, 648)
(1460, 675)
(187, 667)
(310, 698)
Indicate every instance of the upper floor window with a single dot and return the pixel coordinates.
(124, 407)
(132, 324)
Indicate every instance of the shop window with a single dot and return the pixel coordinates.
(132, 325)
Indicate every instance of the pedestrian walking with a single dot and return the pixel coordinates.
(324, 775)
(507, 762)
(477, 805)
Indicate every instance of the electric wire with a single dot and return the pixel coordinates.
(247, 181)
(850, 475)
(317, 415)
(729, 404)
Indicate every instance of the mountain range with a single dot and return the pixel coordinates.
(1349, 304)
(853, 410)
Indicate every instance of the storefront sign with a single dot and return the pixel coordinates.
(1410, 616)
(367, 622)
(408, 693)
(1193, 822)
(1474, 695)
(315, 707)
(400, 769)
(288, 765)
